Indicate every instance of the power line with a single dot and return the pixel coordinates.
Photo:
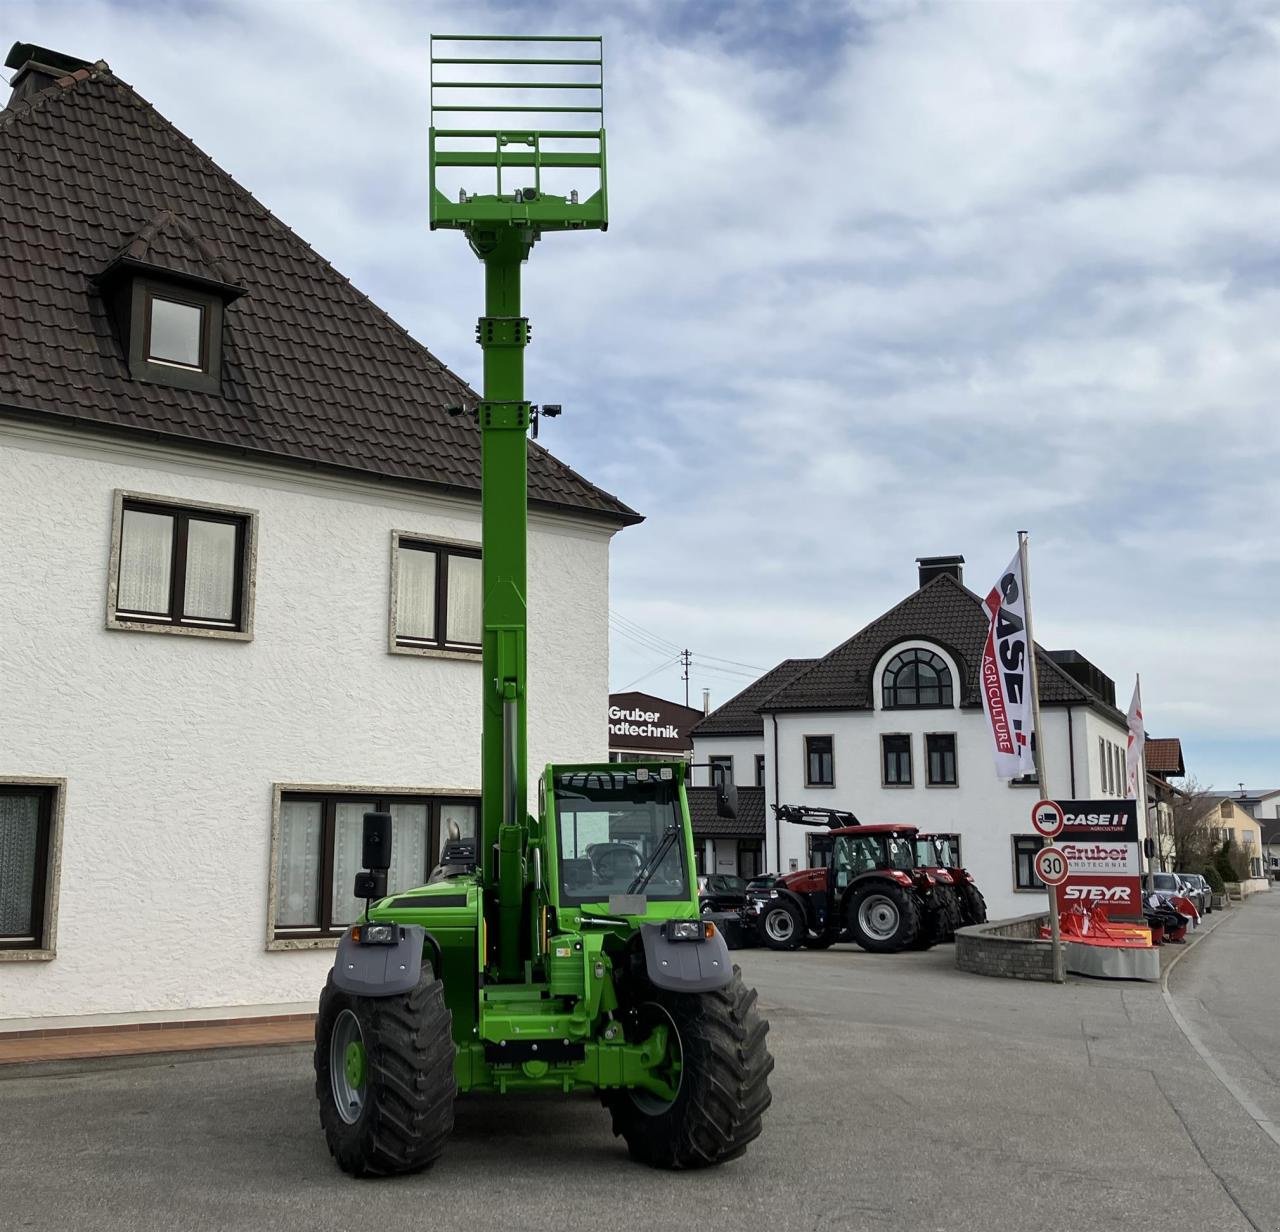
(674, 659)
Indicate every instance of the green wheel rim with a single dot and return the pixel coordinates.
(348, 1066)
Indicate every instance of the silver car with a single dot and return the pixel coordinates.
(1200, 882)
(1178, 883)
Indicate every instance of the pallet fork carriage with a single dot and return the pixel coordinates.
(563, 951)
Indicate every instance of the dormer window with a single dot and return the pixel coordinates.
(166, 294)
(176, 333)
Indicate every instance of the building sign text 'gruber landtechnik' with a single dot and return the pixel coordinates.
(640, 723)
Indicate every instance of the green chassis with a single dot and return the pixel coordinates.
(571, 994)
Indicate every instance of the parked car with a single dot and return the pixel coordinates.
(721, 892)
(1175, 883)
(1199, 881)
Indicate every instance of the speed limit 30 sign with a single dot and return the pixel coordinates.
(1047, 818)
(1051, 866)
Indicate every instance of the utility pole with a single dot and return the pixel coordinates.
(686, 657)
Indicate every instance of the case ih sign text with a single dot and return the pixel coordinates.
(1100, 841)
(1006, 674)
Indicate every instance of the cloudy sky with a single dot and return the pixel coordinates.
(882, 280)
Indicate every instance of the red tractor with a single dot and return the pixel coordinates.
(942, 849)
(869, 890)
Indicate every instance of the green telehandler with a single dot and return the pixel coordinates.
(563, 951)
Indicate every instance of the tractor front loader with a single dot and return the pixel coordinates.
(564, 951)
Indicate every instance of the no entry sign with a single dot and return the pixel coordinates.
(1047, 818)
(1051, 866)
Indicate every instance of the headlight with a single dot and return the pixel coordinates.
(689, 930)
(376, 934)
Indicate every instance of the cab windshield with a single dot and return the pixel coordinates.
(620, 833)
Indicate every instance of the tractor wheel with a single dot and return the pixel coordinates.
(972, 905)
(719, 1065)
(820, 941)
(384, 1077)
(884, 918)
(781, 925)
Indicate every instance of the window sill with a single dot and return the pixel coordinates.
(302, 943)
(142, 626)
(1028, 890)
(33, 955)
(897, 786)
(1014, 783)
(430, 652)
(944, 786)
(821, 786)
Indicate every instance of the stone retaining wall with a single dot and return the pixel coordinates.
(1009, 948)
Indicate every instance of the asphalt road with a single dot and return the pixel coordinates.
(906, 1096)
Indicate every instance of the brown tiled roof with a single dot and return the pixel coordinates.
(313, 371)
(1164, 757)
(943, 612)
(749, 823)
(740, 715)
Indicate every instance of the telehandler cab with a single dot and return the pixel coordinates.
(563, 951)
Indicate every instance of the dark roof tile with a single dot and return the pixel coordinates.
(749, 823)
(943, 612)
(740, 715)
(314, 371)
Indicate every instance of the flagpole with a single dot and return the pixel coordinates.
(1055, 933)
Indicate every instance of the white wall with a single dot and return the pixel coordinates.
(984, 810)
(742, 749)
(170, 745)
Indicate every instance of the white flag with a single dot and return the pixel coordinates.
(1006, 674)
(1137, 738)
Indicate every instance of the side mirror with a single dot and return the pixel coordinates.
(376, 842)
(727, 800)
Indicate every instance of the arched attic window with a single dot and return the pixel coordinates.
(916, 679)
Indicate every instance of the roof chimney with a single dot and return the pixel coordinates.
(706, 701)
(932, 566)
(38, 68)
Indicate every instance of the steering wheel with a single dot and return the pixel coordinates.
(619, 864)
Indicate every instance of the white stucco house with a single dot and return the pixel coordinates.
(241, 558)
(889, 725)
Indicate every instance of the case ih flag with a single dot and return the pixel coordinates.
(1137, 741)
(1100, 841)
(1006, 675)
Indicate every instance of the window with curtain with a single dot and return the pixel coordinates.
(895, 760)
(318, 853)
(438, 596)
(180, 566)
(916, 680)
(1025, 847)
(941, 750)
(25, 818)
(819, 761)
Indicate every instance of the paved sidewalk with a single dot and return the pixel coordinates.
(144, 1038)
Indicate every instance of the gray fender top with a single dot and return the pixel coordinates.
(380, 970)
(686, 966)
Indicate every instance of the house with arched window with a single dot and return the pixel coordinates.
(890, 725)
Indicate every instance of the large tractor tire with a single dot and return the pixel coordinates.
(973, 907)
(384, 1077)
(950, 916)
(719, 1064)
(885, 918)
(781, 925)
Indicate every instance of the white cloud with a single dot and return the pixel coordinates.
(861, 255)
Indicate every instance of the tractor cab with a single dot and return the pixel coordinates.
(619, 833)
